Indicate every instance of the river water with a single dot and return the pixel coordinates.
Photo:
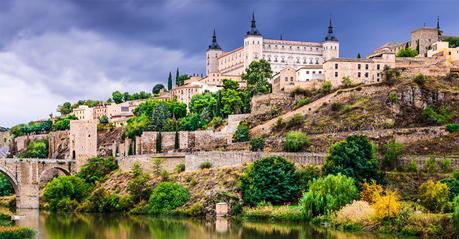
(112, 226)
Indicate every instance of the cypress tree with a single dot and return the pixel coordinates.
(358, 56)
(177, 140)
(169, 81)
(417, 46)
(158, 142)
(177, 74)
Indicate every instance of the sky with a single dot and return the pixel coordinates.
(53, 51)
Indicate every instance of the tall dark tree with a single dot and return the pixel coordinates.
(257, 76)
(359, 56)
(177, 75)
(417, 46)
(158, 142)
(169, 82)
(156, 89)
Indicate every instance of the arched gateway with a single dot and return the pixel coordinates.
(25, 175)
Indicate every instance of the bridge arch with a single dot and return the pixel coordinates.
(10, 176)
(42, 178)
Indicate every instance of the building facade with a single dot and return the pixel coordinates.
(279, 53)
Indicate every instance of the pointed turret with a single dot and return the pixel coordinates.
(438, 23)
(253, 27)
(214, 45)
(330, 35)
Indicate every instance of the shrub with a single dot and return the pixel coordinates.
(393, 150)
(327, 86)
(431, 165)
(216, 122)
(164, 175)
(456, 174)
(274, 213)
(103, 119)
(442, 116)
(97, 168)
(138, 186)
(346, 81)
(166, 197)
(270, 179)
(157, 166)
(456, 213)
(354, 157)
(452, 128)
(357, 213)
(302, 102)
(453, 185)
(296, 121)
(445, 165)
(257, 144)
(242, 132)
(5, 186)
(387, 206)
(328, 194)
(306, 175)
(102, 201)
(36, 149)
(434, 196)
(370, 192)
(296, 141)
(14, 232)
(420, 79)
(393, 97)
(279, 124)
(195, 210)
(65, 188)
(407, 52)
(180, 168)
(204, 165)
(412, 166)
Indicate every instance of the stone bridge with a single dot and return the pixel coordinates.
(28, 175)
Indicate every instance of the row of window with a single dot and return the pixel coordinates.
(359, 66)
(359, 74)
(297, 61)
(282, 47)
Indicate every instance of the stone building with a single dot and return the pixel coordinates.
(84, 112)
(83, 141)
(279, 53)
(358, 70)
(288, 79)
(442, 49)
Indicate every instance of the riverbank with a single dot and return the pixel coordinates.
(8, 229)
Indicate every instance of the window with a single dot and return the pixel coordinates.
(358, 75)
(291, 78)
(313, 72)
(378, 67)
(307, 72)
(336, 74)
(336, 66)
(366, 74)
(359, 66)
(320, 72)
(286, 79)
(366, 66)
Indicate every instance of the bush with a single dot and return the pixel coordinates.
(431, 165)
(195, 210)
(166, 197)
(306, 175)
(452, 128)
(274, 213)
(15, 232)
(453, 185)
(445, 165)
(370, 192)
(216, 122)
(102, 201)
(138, 186)
(442, 116)
(346, 81)
(434, 196)
(357, 213)
(412, 166)
(65, 188)
(420, 79)
(5, 186)
(242, 132)
(279, 124)
(393, 150)
(204, 165)
(456, 213)
(302, 102)
(257, 144)
(393, 97)
(407, 52)
(36, 149)
(296, 141)
(97, 168)
(387, 206)
(180, 168)
(157, 166)
(328, 194)
(327, 86)
(354, 157)
(296, 121)
(270, 179)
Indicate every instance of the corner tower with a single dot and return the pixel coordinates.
(330, 44)
(213, 52)
(253, 44)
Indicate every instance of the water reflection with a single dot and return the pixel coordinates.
(103, 226)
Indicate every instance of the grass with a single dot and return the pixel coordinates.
(15, 232)
(274, 213)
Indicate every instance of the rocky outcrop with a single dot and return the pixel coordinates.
(106, 140)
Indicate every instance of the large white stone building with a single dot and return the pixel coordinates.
(279, 53)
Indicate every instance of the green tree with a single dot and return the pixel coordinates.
(103, 119)
(231, 102)
(328, 194)
(257, 76)
(407, 52)
(169, 81)
(136, 125)
(159, 116)
(327, 86)
(65, 108)
(177, 75)
(296, 141)
(354, 157)
(270, 179)
(453, 41)
(63, 189)
(97, 168)
(138, 186)
(392, 152)
(5, 186)
(117, 97)
(204, 104)
(346, 81)
(257, 144)
(166, 197)
(242, 133)
(36, 149)
(157, 88)
(158, 142)
(359, 56)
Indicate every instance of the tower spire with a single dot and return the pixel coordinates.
(330, 36)
(438, 23)
(253, 26)
(214, 45)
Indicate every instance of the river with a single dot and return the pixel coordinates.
(114, 226)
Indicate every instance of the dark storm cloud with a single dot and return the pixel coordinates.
(57, 50)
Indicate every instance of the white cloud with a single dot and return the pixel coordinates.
(37, 73)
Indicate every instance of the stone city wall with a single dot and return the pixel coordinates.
(21, 142)
(146, 161)
(422, 159)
